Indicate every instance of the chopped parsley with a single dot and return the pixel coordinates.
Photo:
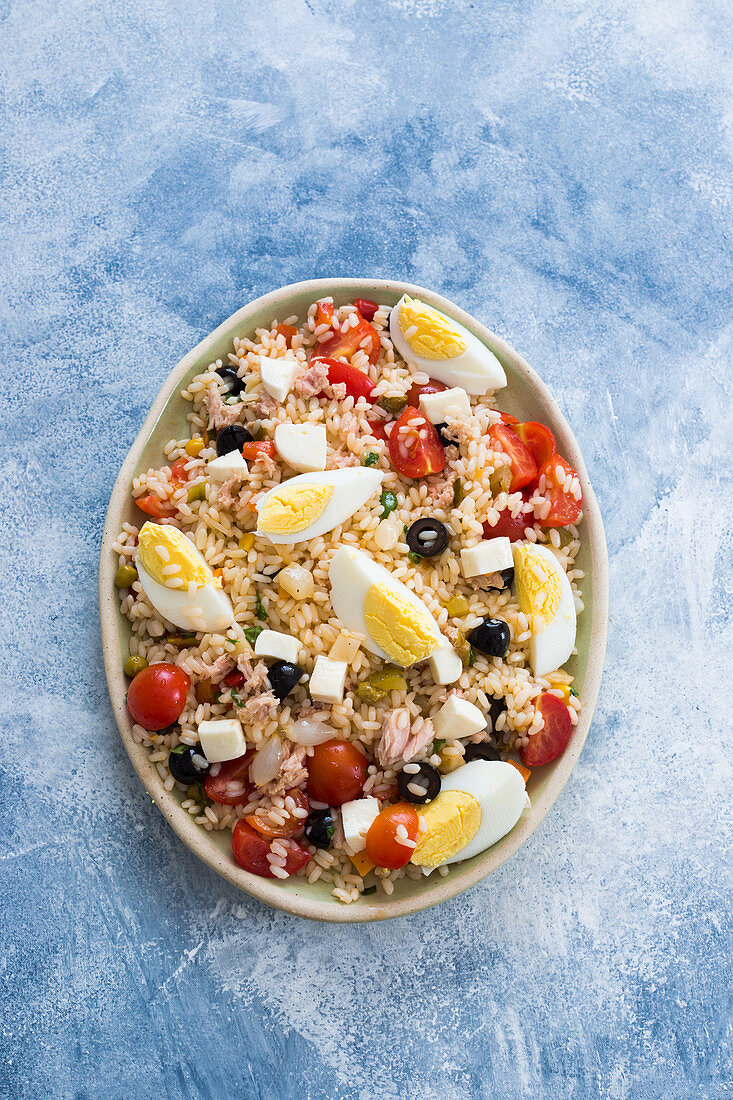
(415, 558)
(574, 692)
(388, 500)
(253, 632)
(261, 608)
(372, 459)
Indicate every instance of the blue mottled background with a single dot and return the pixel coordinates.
(562, 168)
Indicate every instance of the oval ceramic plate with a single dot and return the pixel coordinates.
(527, 397)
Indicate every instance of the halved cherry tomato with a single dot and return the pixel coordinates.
(538, 438)
(157, 695)
(233, 679)
(524, 467)
(262, 447)
(565, 507)
(291, 823)
(179, 473)
(250, 850)
(324, 313)
(342, 345)
(155, 507)
(288, 331)
(552, 739)
(415, 391)
(231, 783)
(367, 308)
(382, 843)
(420, 452)
(357, 383)
(507, 418)
(377, 428)
(337, 772)
(509, 526)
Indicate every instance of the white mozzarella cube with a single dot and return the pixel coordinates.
(222, 739)
(445, 665)
(356, 817)
(490, 556)
(271, 643)
(458, 718)
(345, 648)
(302, 446)
(278, 376)
(225, 466)
(439, 406)
(327, 681)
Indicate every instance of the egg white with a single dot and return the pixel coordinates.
(352, 488)
(351, 575)
(208, 609)
(476, 370)
(498, 788)
(550, 648)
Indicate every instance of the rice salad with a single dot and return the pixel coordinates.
(351, 595)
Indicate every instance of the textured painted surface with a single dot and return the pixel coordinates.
(563, 170)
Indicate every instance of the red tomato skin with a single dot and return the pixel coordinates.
(230, 785)
(157, 695)
(415, 392)
(287, 331)
(357, 383)
(507, 418)
(565, 508)
(179, 473)
(377, 428)
(337, 772)
(538, 439)
(289, 827)
(509, 527)
(366, 308)
(523, 465)
(382, 847)
(324, 313)
(264, 446)
(546, 746)
(153, 506)
(342, 345)
(420, 458)
(251, 850)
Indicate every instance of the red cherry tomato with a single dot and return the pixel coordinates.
(324, 313)
(179, 473)
(419, 452)
(538, 438)
(507, 418)
(264, 447)
(509, 526)
(155, 507)
(287, 331)
(524, 467)
(415, 392)
(565, 507)
(291, 824)
(366, 308)
(233, 679)
(250, 850)
(157, 696)
(552, 739)
(337, 772)
(376, 427)
(382, 842)
(357, 383)
(342, 345)
(231, 783)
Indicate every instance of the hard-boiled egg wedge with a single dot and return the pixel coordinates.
(178, 582)
(546, 598)
(445, 350)
(477, 805)
(312, 504)
(396, 625)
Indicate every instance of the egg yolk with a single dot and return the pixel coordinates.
(435, 337)
(538, 586)
(453, 819)
(288, 511)
(406, 633)
(170, 558)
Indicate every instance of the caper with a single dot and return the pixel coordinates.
(125, 576)
(392, 405)
(133, 665)
(197, 492)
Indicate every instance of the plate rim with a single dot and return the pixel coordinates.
(267, 890)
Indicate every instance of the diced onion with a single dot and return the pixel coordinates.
(311, 731)
(267, 762)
